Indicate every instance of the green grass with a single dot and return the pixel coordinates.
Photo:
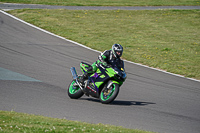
(164, 39)
(19, 122)
(107, 2)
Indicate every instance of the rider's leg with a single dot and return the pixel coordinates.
(90, 70)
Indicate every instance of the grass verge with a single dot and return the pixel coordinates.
(19, 122)
(107, 2)
(164, 39)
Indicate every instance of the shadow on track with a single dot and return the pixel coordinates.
(121, 103)
(129, 103)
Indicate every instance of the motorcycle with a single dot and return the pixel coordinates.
(104, 84)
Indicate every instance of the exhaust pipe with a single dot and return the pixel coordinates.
(74, 74)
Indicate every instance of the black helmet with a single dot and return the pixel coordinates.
(117, 50)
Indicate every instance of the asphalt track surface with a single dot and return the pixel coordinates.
(10, 6)
(149, 99)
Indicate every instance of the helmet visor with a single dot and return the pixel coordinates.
(118, 53)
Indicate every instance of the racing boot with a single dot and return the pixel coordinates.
(83, 78)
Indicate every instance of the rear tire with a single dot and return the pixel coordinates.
(74, 92)
(109, 95)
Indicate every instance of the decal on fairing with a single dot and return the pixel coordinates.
(91, 89)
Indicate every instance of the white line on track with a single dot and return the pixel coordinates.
(90, 48)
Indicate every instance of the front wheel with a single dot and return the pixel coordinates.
(109, 94)
(74, 92)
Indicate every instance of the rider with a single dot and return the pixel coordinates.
(108, 57)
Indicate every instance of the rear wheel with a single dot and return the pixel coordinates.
(74, 92)
(109, 94)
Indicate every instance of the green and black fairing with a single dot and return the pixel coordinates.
(103, 74)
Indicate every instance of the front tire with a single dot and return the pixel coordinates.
(74, 92)
(108, 95)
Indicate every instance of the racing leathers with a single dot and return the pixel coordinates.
(105, 58)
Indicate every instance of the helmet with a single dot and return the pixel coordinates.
(117, 50)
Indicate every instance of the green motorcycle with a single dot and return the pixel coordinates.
(103, 84)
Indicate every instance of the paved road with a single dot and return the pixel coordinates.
(8, 6)
(149, 99)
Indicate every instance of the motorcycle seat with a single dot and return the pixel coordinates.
(86, 64)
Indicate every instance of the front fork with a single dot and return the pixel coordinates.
(107, 86)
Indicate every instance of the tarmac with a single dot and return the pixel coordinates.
(11, 6)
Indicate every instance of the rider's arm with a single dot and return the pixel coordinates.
(103, 57)
(122, 64)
